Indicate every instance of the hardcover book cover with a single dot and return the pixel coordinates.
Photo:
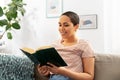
(42, 56)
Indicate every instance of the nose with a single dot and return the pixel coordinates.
(62, 28)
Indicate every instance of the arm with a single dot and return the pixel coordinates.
(88, 70)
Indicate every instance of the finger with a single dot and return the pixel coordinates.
(46, 70)
(47, 73)
(38, 65)
(50, 64)
(43, 68)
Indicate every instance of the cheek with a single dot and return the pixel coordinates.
(59, 28)
(71, 31)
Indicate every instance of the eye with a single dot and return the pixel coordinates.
(66, 25)
(60, 25)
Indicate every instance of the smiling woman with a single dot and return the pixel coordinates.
(77, 53)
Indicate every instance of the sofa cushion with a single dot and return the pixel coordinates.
(107, 67)
(15, 67)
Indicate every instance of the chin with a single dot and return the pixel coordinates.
(64, 37)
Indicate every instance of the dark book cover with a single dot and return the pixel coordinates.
(43, 56)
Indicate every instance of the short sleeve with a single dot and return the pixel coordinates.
(88, 51)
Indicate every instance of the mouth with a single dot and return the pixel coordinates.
(63, 33)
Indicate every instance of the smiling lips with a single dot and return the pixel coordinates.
(63, 33)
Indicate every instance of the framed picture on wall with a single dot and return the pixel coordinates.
(88, 21)
(54, 8)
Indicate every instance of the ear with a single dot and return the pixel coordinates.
(76, 27)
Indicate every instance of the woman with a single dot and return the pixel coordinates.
(76, 52)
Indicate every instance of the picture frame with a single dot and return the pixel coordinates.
(54, 8)
(88, 21)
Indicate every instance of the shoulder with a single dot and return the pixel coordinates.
(86, 47)
(83, 42)
(56, 42)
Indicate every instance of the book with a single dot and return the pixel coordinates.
(44, 55)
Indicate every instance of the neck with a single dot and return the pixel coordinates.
(70, 41)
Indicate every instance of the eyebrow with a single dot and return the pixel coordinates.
(63, 23)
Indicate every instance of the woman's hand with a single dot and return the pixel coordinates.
(43, 70)
(54, 69)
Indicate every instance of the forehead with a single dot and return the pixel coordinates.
(64, 18)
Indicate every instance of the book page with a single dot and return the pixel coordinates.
(43, 47)
(29, 50)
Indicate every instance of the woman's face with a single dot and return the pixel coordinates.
(66, 27)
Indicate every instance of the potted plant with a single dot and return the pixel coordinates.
(10, 17)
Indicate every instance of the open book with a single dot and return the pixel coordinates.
(44, 55)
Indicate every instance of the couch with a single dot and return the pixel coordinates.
(107, 67)
(19, 67)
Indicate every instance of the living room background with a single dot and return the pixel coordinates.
(38, 30)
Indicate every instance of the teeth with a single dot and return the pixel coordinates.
(63, 32)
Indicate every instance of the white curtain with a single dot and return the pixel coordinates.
(112, 26)
(116, 26)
